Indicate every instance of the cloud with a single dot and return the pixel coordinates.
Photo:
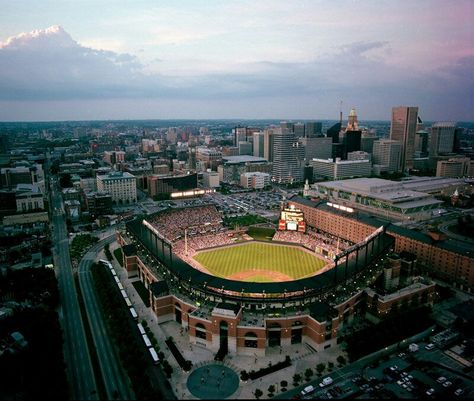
(49, 65)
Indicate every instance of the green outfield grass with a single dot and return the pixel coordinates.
(274, 259)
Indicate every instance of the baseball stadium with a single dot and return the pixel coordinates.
(233, 293)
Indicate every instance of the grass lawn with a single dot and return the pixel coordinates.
(292, 262)
(119, 256)
(247, 220)
(261, 233)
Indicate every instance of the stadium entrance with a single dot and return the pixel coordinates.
(177, 313)
(274, 334)
(223, 334)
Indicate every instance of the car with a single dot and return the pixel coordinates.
(430, 391)
(441, 379)
(459, 392)
(399, 382)
(429, 346)
(401, 355)
(393, 368)
(326, 382)
(447, 383)
(307, 390)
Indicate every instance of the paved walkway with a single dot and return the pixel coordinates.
(302, 356)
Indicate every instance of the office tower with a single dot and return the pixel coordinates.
(367, 141)
(403, 129)
(333, 132)
(421, 143)
(288, 155)
(352, 137)
(268, 136)
(245, 148)
(352, 122)
(317, 148)
(454, 167)
(387, 153)
(240, 134)
(313, 129)
(442, 138)
(258, 144)
(298, 129)
(285, 125)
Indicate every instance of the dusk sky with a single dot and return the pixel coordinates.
(84, 59)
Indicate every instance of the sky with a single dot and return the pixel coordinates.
(159, 59)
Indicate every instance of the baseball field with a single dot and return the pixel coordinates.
(260, 262)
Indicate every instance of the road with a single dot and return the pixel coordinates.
(76, 352)
(116, 381)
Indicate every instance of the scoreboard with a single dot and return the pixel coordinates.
(292, 219)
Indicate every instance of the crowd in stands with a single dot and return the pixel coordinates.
(199, 242)
(198, 220)
(313, 240)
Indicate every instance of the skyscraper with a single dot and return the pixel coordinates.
(268, 135)
(387, 153)
(299, 130)
(258, 144)
(403, 129)
(352, 137)
(288, 155)
(313, 129)
(442, 138)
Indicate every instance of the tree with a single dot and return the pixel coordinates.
(330, 366)
(271, 390)
(320, 368)
(308, 373)
(284, 383)
(296, 379)
(341, 360)
(258, 393)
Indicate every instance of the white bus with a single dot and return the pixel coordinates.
(120, 286)
(128, 302)
(154, 356)
(124, 293)
(134, 314)
(146, 340)
(141, 329)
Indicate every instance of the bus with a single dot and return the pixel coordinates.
(128, 302)
(141, 329)
(124, 293)
(154, 356)
(146, 340)
(120, 286)
(134, 314)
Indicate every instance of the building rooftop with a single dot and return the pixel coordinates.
(116, 175)
(243, 159)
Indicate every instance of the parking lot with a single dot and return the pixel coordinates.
(425, 374)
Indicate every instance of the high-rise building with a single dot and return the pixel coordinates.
(352, 122)
(285, 125)
(352, 135)
(268, 136)
(245, 148)
(317, 148)
(387, 153)
(455, 167)
(333, 132)
(421, 143)
(259, 144)
(288, 156)
(403, 128)
(121, 186)
(340, 169)
(313, 129)
(442, 138)
(240, 134)
(299, 130)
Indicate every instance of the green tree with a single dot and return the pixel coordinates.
(258, 393)
(271, 390)
(308, 373)
(341, 360)
(330, 366)
(296, 379)
(283, 384)
(320, 368)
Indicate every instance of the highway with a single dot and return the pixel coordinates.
(76, 353)
(116, 381)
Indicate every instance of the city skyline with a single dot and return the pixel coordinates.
(68, 61)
